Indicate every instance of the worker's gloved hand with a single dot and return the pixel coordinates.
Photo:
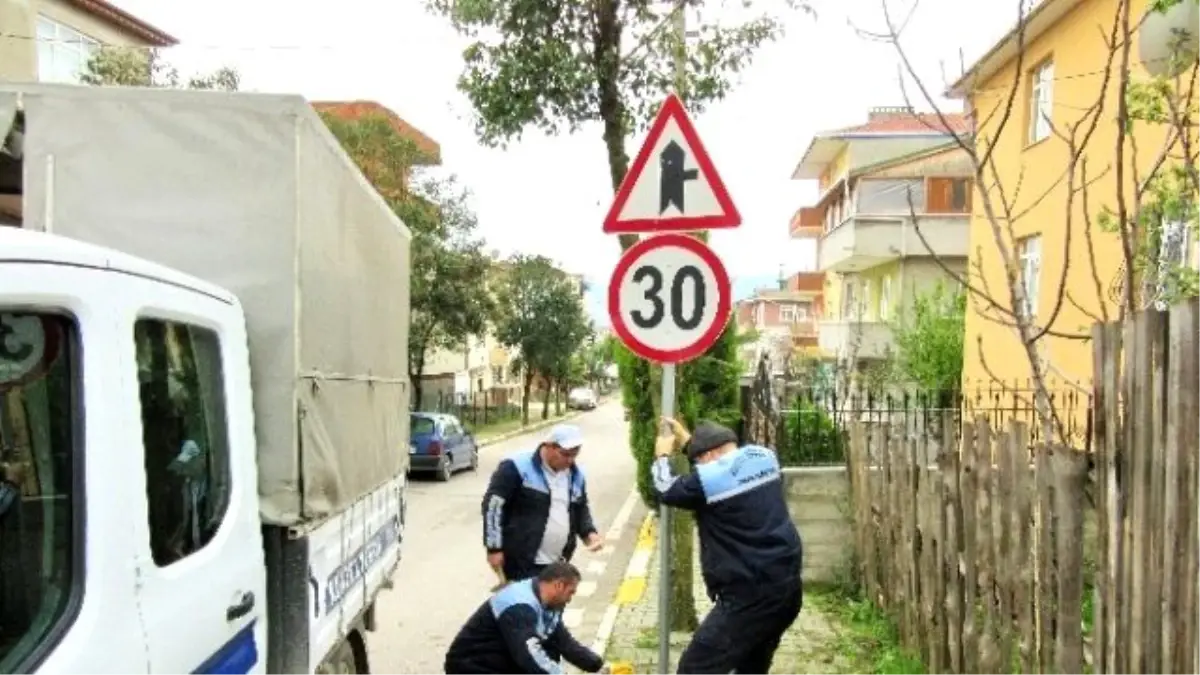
(677, 430)
(664, 446)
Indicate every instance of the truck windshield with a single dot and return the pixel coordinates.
(39, 430)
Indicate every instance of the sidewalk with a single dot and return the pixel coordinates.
(808, 647)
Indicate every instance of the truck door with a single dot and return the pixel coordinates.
(201, 567)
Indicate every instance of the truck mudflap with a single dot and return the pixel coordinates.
(352, 557)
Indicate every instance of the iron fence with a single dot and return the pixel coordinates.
(474, 410)
(811, 424)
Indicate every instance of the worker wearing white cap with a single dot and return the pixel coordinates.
(536, 506)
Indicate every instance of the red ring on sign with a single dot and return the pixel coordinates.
(724, 299)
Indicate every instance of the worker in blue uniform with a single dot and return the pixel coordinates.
(520, 629)
(750, 551)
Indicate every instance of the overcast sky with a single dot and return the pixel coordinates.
(549, 195)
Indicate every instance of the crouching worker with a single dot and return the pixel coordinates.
(750, 551)
(520, 630)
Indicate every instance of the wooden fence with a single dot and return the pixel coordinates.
(980, 553)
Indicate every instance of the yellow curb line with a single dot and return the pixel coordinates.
(633, 586)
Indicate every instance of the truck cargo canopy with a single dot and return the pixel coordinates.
(252, 193)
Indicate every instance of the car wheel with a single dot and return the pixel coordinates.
(445, 469)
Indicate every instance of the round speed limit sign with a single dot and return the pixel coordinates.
(669, 298)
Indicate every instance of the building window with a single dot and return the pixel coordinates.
(63, 52)
(1029, 251)
(864, 305)
(41, 436)
(498, 374)
(184, 434)
(948, 195)
(885, 299)
(1041, 101)
(848, 306)
(787, 314)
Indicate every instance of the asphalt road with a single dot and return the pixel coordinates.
(443, 576)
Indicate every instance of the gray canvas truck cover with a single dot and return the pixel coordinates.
(253, 193)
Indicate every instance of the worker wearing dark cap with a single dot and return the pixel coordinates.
(750, 550)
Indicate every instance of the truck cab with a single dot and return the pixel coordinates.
(131, 540)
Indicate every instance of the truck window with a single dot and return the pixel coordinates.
(40, 454)
(182, 392)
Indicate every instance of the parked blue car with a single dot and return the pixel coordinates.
(438, 444)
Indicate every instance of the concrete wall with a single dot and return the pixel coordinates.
(819, 501)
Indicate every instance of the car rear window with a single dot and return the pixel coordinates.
(422, 425)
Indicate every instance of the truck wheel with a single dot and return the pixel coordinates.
(340, 660)
(445, 469)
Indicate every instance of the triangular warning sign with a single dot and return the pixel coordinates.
(672, 185)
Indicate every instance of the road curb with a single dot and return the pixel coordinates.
(633, 585)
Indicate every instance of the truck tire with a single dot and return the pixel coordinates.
(445, 469)
(340, 660)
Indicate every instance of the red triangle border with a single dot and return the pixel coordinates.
(672, 108)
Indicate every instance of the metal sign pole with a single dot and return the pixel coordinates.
(668, 401)
(664, 540)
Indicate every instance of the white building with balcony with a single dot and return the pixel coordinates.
(891, 221)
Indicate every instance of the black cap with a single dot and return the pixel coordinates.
(707, 436)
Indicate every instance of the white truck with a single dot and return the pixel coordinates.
(203, 385)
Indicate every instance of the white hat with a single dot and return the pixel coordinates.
(566, 436)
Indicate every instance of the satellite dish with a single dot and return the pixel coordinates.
(1162, 33)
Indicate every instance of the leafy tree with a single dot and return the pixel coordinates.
(928, 339)
(540, 314)
(556, 65)
(449, 300)
(135, 67)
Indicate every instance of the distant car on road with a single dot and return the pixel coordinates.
(439, 444)
(582, 398)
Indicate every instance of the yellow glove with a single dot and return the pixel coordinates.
(664, 446)
(680, 434)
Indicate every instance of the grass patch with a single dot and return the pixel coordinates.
(647, 639)
(866, 639)
(485, 432)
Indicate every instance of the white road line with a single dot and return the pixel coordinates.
(572, 617)
(596, 567)
(639, 564)
(607, 623)
(622, 519)
(585, 589)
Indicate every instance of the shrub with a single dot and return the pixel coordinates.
(810, 437)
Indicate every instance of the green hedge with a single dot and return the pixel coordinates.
(810, 437)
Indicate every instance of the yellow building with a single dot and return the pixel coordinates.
(1055, 82)
(884, 186)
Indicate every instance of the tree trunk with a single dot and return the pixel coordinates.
(417, 391)
(525, 399)
(607, 55)
(546, 398)
(558, 391)
(683, 540)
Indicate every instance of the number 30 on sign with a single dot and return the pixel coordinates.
(669, 298)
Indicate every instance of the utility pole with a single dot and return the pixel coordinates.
(679, 21)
